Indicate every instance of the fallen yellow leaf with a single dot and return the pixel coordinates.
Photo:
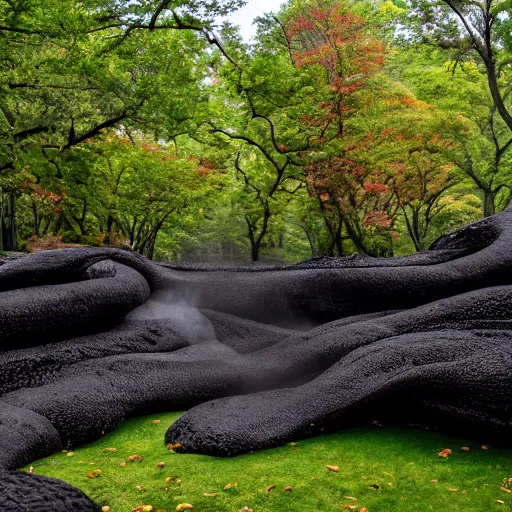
(444, 453)
(334, 469)
(269, 488)
(184, 506)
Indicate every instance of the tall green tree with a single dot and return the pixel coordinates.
(459, 89)
(479, 26)
(70, 70)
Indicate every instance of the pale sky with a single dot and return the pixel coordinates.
(253, 9)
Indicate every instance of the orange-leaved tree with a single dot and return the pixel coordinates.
(340, 44)
(356, 197)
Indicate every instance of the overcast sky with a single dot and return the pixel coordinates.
(253, 9)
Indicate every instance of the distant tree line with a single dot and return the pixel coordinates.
(345, 126)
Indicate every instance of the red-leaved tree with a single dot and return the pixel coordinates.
(339, 41)
(353, 198)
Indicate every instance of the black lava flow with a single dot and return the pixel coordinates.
(258, 356)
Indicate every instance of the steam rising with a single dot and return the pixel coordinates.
(186, 319)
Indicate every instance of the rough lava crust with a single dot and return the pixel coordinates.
(258, 356)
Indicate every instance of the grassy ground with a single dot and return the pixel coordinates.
(384, 469)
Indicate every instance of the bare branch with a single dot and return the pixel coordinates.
(163, 5)
(249, 141)
(73, 140)
(28, 132)
(49, 86)
(18, 30)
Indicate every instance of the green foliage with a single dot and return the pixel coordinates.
(145, 124)
(459, 90)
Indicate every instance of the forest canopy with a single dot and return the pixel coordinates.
(343, 127)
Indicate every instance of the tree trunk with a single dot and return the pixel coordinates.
(356, 239)
(310, 241)
(490, 66)
(255, 251)
(81, 222)
(132, 231)
(110, 222)
(8, 226)
(251, 231)
(416, 229)
(329, 227)
(255, 242)
(412, 233)
(338, 239)
(35, 217)
(150, 247)
(489, 204)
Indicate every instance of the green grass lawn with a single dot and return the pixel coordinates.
(384, 469)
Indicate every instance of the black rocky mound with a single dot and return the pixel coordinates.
(260, 356)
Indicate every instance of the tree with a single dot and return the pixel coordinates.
(144, 188)
(340, 43)
(483, 140)
(251, 115)
(71, 70)
(419, 189)
(482, 26)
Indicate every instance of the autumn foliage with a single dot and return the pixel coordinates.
(361, 196)
(340, 41)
